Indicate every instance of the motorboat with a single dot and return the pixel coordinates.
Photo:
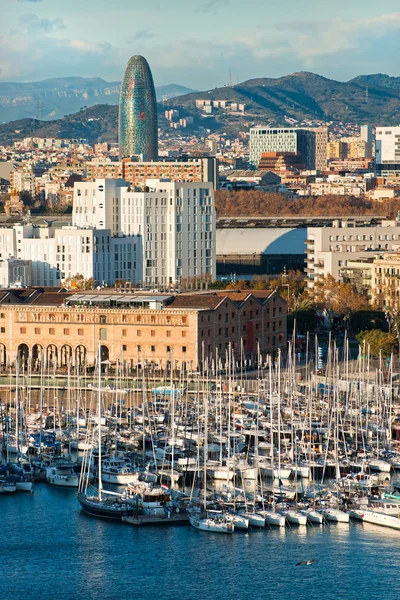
(62, 474)
(116, 471)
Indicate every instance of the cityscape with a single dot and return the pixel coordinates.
(199, 302)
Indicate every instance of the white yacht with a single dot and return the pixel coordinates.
(314, 517)
(212, 525)
(116, 471)
(296, 518)
(335, 515)
(273, 518)
(379, 465)
(62, 475)
(376, 518)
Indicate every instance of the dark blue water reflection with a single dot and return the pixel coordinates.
(49, 549)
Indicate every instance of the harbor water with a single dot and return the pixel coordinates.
(50, 549)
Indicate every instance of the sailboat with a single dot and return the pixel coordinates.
(108, 505)
(205, 522)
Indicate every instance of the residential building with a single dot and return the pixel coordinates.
(175, 222)
(330, 248)
(15, 273)
(183, 169)
(378, 278)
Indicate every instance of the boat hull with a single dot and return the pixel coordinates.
(95, 508)
(369, 516)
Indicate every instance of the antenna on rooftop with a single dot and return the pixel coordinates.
(164, 99)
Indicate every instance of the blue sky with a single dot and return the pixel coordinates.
(197, 43)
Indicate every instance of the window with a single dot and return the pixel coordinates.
(168, 348)
(103, 333)
(2, 316)
(2, 329)
(124, 319)
(139, 348)
(123, 348)
(139, 333)
(103, 319)
(183, 349)
(80, 331)
(52, 331)
(184, 319)
(153, 348)
(153, 333)
(183, 333)
(168, 334)
(66, 331)
(37, 330)
(124, 332)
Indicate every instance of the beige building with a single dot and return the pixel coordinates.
(378, 278)
(330, 248)
(64, 328)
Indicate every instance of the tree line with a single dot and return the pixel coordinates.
(256, 203)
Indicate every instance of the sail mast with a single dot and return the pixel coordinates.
(99, 416)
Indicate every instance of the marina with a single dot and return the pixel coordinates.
(287, 461)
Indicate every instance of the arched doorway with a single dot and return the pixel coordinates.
(80, 355)
(65, 355)
(3, 355)
(23, 355)
(104, 353)
(52, 355)
(104, 358)
(37, 355)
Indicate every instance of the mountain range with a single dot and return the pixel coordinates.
(54, 98)
(299, 97)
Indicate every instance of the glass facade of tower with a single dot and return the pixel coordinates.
(137, 124)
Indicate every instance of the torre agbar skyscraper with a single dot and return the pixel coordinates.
(137, 123)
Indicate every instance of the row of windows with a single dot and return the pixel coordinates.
(52, 331)
(153, 348)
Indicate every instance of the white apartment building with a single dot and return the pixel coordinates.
(387, 150)
(173, 224)
(329, 249)
(15, 273)
(55, 255)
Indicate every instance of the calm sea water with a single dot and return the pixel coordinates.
(50, 549)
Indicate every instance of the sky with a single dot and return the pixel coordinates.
(198, 43)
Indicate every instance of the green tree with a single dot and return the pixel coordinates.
(379, 342)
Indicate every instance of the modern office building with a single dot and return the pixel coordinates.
(309, 144)
(137, 123)
(387, 150)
